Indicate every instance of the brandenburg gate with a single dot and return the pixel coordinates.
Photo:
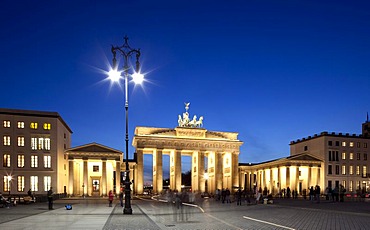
(214, 155)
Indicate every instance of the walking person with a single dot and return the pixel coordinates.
(121, 198)
(239, 197)
(50, 198)
(110, 198)
(318, 193)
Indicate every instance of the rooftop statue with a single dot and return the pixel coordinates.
(185, 121)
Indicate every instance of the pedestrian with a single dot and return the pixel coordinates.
(239, 197)
(223, 195)
(312, 194)
(3, 201)
(288, 192)
(318, 193)
(227, 193)
(110, 198)
(50, 198)
(342, 190)
(121, 198)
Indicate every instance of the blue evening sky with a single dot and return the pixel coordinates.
(273, 71)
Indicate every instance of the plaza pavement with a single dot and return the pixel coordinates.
(92, 213)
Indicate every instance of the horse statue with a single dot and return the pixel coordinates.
(193, 122)
(199, 123)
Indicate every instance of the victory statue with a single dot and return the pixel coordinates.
(185, 120)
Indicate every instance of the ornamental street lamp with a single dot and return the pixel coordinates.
(127, 52)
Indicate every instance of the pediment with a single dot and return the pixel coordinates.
(93, 148)
(303, 157)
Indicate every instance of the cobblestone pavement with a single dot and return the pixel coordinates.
(210, 214)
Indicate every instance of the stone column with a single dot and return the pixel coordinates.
(211, 172)
(71, 176)
(297, 179)
(139, 183)
(157, 171)
(235, 170)
(177, 170)
(85, 178)
(219, 170)
(118, 176)
(201, 179)
(104, 177)
(288, 177)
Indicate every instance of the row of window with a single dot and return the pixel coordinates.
(37, 143)
(20, 125)
(351, 187)
(34, 183)
(350, 170)
(344, 144)
(34, 161)
(334, 156)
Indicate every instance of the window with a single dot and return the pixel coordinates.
(6, 124)
(20, 125)
(47, 183)
(351, 186)
(364, 169)
(47, 143)
(20, 183)
(6, 140)
(47, 126)
(351, 170)
(305, 148)
(351, 156)
(96, 168)
(357, 170)
(330, 156)
(330, 169)
(344, 183)
(336, 156)
(330, 143)
(34, 161)
(351, 144)
(33, 125)
(343, 170)
(6, 160)
(20, 163)
(47, 162)
(365, 156)
(40, 143)
(337, 143)
(20, 141)
(344, 143)
(337, 170)
(343, 155)
(33, 143)
(34, 183)
(358, 145)
(7, 180)
(365, 145)
(358, 156)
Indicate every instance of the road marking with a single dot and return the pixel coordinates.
(265, 222)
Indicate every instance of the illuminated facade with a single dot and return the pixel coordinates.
(220, 150)
(32, 151)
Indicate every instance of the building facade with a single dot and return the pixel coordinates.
(345, 157)
(33, 151)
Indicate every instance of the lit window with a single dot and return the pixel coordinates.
(20, 124)
(6, 124)
(47, 162)
(350, 186)
(358, 170)
(34, 183)
(41, 143)
(7, 180)
(343, 143)
(20, 183)
(47, 183)
(20, 141)
(33, 125)
(351, 144)
(7, 140)
(364, 171)
(47, 126)
(6, 160)
(34, 161)
(47, 143)
(351, 169)
(343, 170)
(343, 155)
(344, 183)
(33, 143)
(351, 156)
(20, 161)
(95, 168)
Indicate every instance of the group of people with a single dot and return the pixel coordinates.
(336, 194)
(223, 195)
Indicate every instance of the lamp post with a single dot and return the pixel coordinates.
(127, 52)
